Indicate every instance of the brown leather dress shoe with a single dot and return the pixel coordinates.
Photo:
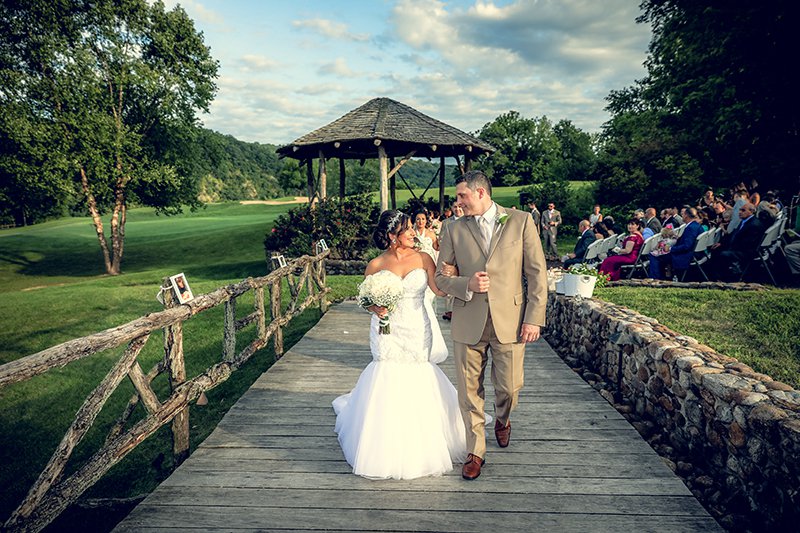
(502, 434)
(472, 468)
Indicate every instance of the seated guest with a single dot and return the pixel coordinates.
(739, 248)
(601, 231)
(651, 220)
(676, 215)
(627, 254)
(680, 255)
(586, 238)
(792, 251)
(721, 212)
(739, 199)
(609, 222)
(767, 211)
(666, 218)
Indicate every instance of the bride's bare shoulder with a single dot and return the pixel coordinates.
(376, 265)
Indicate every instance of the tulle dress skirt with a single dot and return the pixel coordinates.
(402, 419)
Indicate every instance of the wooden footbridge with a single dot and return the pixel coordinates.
(274, 463)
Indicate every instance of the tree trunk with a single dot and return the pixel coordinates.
(96, 220)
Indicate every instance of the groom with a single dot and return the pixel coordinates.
(493, 249)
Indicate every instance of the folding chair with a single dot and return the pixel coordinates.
(643, 259)
(764, 250)
(679, 230)
(699, 256)
(593, 252)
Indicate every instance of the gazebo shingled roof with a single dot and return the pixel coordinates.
(398, 127)
(383, 129)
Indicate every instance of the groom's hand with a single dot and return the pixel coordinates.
(479, 282)
(529, 333)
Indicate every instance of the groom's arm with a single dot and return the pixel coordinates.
(452, 285)
(535, 271)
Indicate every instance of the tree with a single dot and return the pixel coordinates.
(100, 97)
(717, 92)
(577, 156)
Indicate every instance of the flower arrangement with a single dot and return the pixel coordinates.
(584, 269)
(384, 289)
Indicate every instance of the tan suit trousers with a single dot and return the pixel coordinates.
(507, 378)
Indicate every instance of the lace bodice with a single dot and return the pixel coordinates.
(414, 332)
(425, 244)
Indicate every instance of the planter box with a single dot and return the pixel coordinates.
(578, 285)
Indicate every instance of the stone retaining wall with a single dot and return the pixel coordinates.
(336, 267)
(738, 428)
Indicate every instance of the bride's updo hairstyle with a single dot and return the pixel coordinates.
(391, 222)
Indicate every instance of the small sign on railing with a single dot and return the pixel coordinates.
(278, 261)
(180, 285)
(321, 246)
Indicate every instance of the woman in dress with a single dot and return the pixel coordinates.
(627, 254)
(402, 419)
(427, 239)
(596, 216)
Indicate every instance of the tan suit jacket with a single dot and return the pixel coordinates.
(515, 251)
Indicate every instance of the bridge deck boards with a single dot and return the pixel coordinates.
(274, 462)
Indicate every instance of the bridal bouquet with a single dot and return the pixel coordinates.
(384, 289)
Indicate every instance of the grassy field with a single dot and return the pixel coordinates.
(52, 289)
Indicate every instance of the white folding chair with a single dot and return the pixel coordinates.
(643, 259)
(699, 256)
(764, 251)
(680, 229)
(593, 252)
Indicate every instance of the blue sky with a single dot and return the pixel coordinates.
(289, 67)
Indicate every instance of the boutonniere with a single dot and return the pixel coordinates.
(501, 218)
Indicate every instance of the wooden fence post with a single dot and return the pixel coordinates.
(229, 334)
(258, 307)
(176, 367)
(275, 312)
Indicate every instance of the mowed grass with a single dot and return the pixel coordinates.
(52, 289)
(759, 328)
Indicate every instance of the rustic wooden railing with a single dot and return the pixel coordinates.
(52, 493)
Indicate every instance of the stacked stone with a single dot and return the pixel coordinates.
(669, 284)
(738, 428)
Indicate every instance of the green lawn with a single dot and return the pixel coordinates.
(759, 328)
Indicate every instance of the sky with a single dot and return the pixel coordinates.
(290, 67)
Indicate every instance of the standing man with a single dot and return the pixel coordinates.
(551, 219)
(493, 249)
(535, 214)
(457, 213)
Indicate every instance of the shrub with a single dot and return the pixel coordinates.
(346, 224)
(575, 203)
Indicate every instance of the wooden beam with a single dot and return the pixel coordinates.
(310, 178)
(441, 185)
(341, 178)
(392, 184)
(323, 177)
(402, 162)
(382, 164)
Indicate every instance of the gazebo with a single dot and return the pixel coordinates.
(389, 131)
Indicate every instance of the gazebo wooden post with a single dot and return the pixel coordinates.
(441, 185)
(392, 185)
(323, 176)
(310, 178)
(382, 165)
(341, 178)
(467, 163)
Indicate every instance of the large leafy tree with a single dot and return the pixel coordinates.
(716, 100)
(99, 99)
(527, 149)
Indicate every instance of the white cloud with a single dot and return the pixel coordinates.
(338, 67)
(332, 29)
(258, 62)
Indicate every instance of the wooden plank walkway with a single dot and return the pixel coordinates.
(274, 463)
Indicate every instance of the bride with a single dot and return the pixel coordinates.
(402, 419)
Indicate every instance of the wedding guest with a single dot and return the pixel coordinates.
(651, 220)
(596, 215)
(427, 240)
(535, 214)
(586, 238)
(680, 255)
(627, 253)
(551, 219)
(731, 256)
(740, 197)
(601, 231)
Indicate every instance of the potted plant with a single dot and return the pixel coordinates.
(581, 280)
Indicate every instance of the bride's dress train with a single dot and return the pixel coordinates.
(402, 419)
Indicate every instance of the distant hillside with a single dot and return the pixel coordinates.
(230, 169)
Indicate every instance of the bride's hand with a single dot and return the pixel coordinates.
(378, 310)
(449, 270)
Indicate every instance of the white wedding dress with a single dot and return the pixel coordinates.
(402, 419)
